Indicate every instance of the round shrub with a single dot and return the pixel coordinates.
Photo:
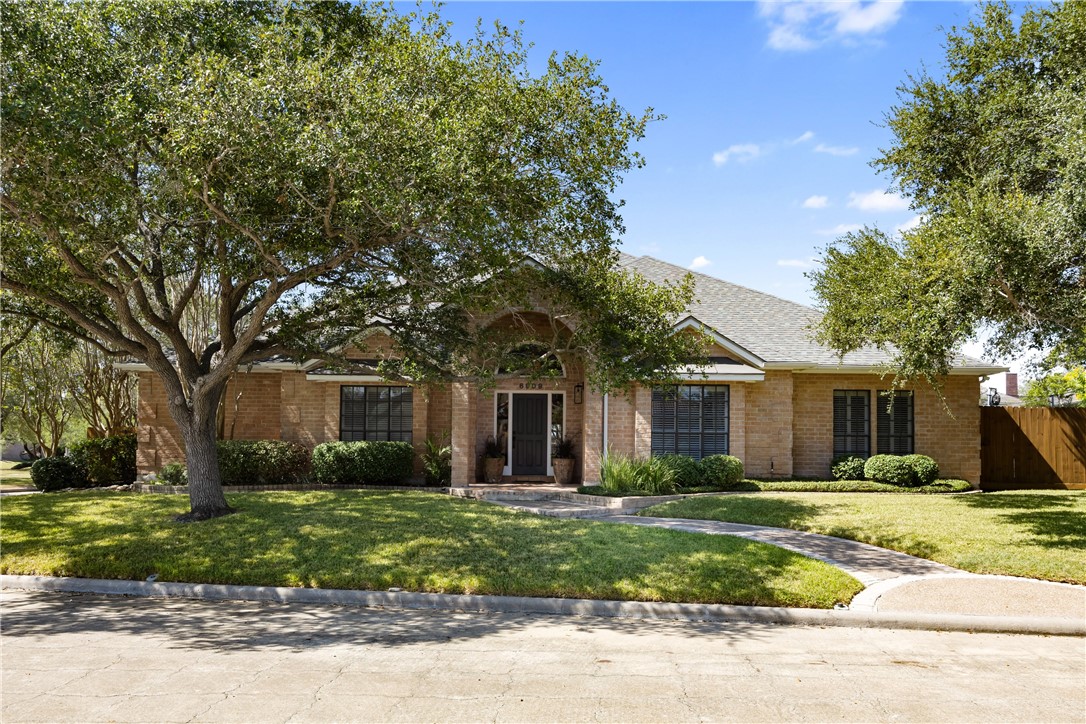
(890, 469)
(723, 470)
(107, 460)
(173, 474)
(925, 470)
(847, 467)
(57, 473)
(363, 463)
(262, 462)
(686, 471)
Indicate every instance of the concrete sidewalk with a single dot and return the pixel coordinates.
(900, 583)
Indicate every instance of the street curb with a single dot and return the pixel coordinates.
(552, 606)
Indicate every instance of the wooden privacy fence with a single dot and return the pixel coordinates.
(1032, 448)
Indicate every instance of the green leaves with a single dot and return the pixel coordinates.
(994, 157)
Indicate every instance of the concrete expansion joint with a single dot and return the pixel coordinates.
(722, 613)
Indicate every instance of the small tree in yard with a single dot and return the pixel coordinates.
(36, 379)
(313, 167)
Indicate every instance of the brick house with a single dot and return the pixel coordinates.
(770, 396)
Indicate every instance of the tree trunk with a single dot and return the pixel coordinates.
(198, 429)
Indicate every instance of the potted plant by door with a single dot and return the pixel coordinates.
(563, 461)
(493, 461)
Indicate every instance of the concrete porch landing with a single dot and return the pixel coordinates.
(556, 501)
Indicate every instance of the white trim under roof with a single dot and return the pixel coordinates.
(722, 373)
(832, 369)
(690, 321)
(346, 378)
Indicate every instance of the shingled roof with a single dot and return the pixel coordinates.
(767, 330)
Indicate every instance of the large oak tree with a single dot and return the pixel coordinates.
(993, 156)
(314, 167)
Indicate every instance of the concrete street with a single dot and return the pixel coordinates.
(79, 657)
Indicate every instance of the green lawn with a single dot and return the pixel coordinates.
(11, 479)
(414, 540)
(1038, 534)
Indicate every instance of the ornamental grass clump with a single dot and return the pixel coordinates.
(620, 474)
(687, 471)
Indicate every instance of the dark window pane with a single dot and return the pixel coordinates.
(690, 420)
(894, 422)
(372, 412)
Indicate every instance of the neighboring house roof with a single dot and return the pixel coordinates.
(766, 330)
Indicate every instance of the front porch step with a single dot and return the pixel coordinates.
(560, 503)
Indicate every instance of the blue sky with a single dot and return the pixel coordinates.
(773, 115)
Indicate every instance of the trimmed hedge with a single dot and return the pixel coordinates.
(363, 463)
(847, 467)
(687, 472)
(726, 470)
(107, 460)
(262, 462)
(891, 469)
(57, 473)
(925, 469)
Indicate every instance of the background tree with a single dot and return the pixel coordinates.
(38, 407)
(994, 158)
(314, 167)
(1069, 389)
(104, 395)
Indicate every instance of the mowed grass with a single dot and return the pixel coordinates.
(1037, 534)
(14, 479)
(413, 540)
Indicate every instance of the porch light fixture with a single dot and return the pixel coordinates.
(578, 394)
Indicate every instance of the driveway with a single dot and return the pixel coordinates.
(79, 657)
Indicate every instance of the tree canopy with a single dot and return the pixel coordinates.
(993, 158)
(300, 171)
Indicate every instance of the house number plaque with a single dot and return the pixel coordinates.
(531, 385)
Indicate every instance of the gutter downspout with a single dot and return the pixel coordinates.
(606, 400)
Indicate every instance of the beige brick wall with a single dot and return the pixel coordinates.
(767, 426)
(256, 417)
(950, 434)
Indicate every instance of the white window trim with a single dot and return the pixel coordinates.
(508, 469)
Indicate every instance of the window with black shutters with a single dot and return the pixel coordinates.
(895, 422)
(690, 420)
(374, 412)
(852, 422)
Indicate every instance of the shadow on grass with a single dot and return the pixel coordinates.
(415, 541)
(1056, 520)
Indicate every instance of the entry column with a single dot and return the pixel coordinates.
(464, 398)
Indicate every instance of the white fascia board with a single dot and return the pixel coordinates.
(345, 378)
(131, 367)
(724, 377)
(744, 354)
(809, 369)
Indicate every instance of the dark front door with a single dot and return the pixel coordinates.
(529, 434)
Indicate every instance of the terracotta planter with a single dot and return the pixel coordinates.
(492, 469)
(563, 470)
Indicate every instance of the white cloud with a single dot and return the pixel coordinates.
(876, 201)
(840, 230)
(910, 224)
(797, 263)
(806, 25)
(740, 152)
(699, 262)
(816, 202)
(836, 150)
(807, 136)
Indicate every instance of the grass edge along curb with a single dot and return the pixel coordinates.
(467, 603)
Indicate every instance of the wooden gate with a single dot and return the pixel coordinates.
(1032, 447)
